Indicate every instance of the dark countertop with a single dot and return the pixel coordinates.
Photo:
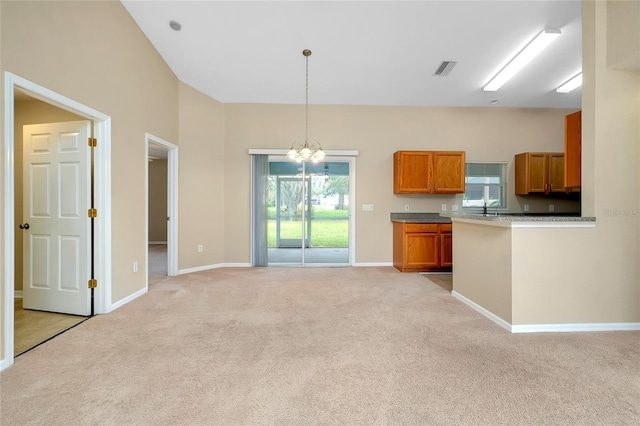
(419, 218)
(524, 217)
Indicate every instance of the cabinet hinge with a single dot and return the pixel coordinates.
(93, 142)
(92, 283)
(93, 213)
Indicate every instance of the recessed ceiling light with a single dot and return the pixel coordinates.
(175, 25)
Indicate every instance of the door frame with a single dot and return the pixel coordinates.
(332, 154)
(172, 203)
(102, 200)
(305, 238)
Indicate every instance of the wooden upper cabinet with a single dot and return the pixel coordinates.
(412, 172)
(448, 172)
(539, 172)
(428, 172)
(556, 172)
(573, 150)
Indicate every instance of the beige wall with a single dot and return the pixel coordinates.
(486, 134)
(158, 201)
(623, 34)
(202, 171)
(558, 278)
(29, 112)
(611, 100)
(94, 53)
(476, 274)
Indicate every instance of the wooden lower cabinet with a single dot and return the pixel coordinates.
(422, 247)
(446, 245)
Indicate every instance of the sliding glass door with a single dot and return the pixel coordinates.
(308, 212)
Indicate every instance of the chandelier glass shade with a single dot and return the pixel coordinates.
(306, 151)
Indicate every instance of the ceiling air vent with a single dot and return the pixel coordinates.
(445, 68)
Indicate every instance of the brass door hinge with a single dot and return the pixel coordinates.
(93, 142)
(93, 213)
(92, 283)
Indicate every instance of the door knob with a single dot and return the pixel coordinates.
(24, 226)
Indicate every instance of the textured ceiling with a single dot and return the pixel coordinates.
(365, 53)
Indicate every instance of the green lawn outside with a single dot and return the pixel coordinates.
(316, 213)
(329, 228)
(324, 233)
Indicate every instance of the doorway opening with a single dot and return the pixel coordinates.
(99, 270)
(309, 212)
(162, 208)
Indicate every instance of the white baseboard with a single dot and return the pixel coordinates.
(215, 266)
(127, 299)
(157, 242)
(17, 294)
(473, 305)
(6, 363)
(248, 265)
(547, 328)
(373, 264)
(555, 328)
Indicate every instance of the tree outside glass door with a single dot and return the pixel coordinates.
(316, 212)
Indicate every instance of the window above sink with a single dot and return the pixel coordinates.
(485, 182)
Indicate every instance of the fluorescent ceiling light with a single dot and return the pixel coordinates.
(536, 46)
(570, 85)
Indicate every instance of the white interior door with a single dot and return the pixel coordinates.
(55, 225)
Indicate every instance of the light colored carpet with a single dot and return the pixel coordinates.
(325, 346)
(157, 261)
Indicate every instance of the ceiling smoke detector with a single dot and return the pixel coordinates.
(445, 68)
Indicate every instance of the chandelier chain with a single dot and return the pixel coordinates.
(306, 100)
(306, 151)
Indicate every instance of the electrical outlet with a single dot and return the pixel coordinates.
(454, 207)
(406, 207)
(444, 207)
(526, 207)
(135, 267)
(551, 207)
(200, 248)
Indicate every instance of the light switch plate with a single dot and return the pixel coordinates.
(367, 207)
(454, 207)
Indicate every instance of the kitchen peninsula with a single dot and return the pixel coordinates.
(514, 269)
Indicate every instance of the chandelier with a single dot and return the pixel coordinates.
(304, 152)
